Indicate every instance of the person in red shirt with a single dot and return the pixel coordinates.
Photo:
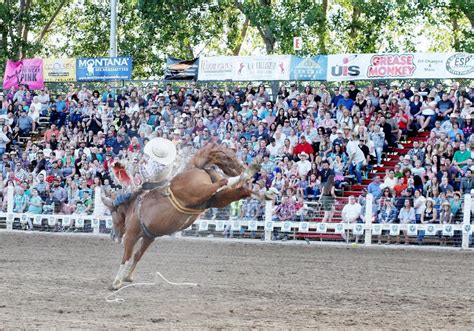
(303, 146)
(54, 130)
(403, 120)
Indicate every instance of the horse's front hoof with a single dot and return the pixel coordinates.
(116, 285)
(128, 279)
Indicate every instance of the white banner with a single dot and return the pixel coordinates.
(108, 224)
(220, 226)
(216, 68)
(274, 67)
(286, 227)
(400, 66)
(430, 230)
(395, 229)
(252, 226)
(339, 228)
(51, 221)
(269, 226)
(37, 220)
(358, 229)
(203, 225)
(95, 223)
(235, 225)
(322, 228)
(412, 230)
(448, 230)
(79, 223)
(303, 227)
(245, 68)
(376, 229)
(467, 229)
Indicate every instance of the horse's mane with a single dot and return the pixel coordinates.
(220, 156)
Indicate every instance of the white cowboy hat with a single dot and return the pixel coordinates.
(161, 150)
(303, 154)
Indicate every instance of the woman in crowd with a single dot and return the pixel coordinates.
(406, 216)
(387, 215)
(328, 199)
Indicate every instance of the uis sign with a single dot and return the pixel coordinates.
(347, 68)
(391, 65)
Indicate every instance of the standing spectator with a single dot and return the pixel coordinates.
(406, 216)
(328, 199)
(351, 213)
(25, 124)
(356, 159)
(374, 188)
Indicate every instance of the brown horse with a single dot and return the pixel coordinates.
(166, 210)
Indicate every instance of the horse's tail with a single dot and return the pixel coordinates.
(219, 156)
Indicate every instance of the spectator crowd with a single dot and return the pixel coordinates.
(310, 140)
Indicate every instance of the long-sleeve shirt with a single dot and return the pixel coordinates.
(406, 215)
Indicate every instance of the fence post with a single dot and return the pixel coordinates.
(466, 220)
(10, 202)
(369, 200)
(268, 218)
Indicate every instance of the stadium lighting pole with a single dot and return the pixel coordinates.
(113, 28)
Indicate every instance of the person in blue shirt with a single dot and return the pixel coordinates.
(346, 101)
(60, 103)
(374, 188)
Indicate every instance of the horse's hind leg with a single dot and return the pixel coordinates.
(146, 242)
(131, 237)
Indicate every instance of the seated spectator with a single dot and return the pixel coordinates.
(387, 214)
(35, 203)
(406, 216)
(374, 187)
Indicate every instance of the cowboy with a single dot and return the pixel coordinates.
(157, 170)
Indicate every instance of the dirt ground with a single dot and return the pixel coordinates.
(60, 281)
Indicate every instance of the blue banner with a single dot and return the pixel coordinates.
(309, 68)
(104, 68)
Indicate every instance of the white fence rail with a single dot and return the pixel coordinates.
(367, 229)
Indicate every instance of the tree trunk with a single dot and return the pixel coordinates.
(243, 33)
(19, 29)
(51, 20)
(455, 26)
(322, 30)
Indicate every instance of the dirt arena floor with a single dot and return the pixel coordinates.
(59, 281)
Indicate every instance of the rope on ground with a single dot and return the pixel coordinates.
(117, 299)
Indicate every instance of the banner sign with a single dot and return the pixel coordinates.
(311, 68)
(104, 68)
(412, 230)
(59, 70)
(245, 68)
(400, 66)
(216, 68)
(274, 67)
(28, 72)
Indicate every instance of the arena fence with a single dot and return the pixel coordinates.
(265, 227)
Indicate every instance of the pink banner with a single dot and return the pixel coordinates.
(28, 71)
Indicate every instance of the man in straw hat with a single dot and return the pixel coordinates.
(156, 170)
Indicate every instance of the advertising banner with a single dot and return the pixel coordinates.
(216, 68)
(273, 67)
(104, 68)
(310, 68)
(59, 70)
(400, 66)
(27, 71)
(444, 65)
